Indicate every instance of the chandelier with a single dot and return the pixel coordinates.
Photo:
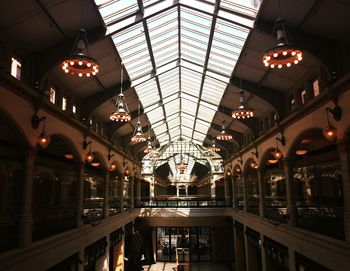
(79, 63)
(121, 112)
(149, 147)
(242, 112)
(138, 134)
(283, 54)
(223, 135)
(214, 147)
(182, 166)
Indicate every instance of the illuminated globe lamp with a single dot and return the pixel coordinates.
(89, 157)
(283, 54)
(242, 112)
(330, 132)
(112, 166)
(228, 174)
(138, 134)
(223, 135)
(79, 63)
(253, 164)
(149, 147)
(277, 154)
(43, 139)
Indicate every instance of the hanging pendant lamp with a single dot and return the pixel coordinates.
(223, 135)
(242, 112)
(78, 62)
(138, 134)
(214, 147)
(121, 112)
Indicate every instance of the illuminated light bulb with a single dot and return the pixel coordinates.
(71, 63)
(300, 58)
(288, 64)
(294, 53)
(266, 64)
(66, 71)
(89, 157)
(285, 53)
(80, 63)
(279, 66)
(265, 61)
(296, 61)
(88, 74)
(43, 140)
(275, 55)
(268, 58)
(88, 64)
(299, 55)
(272, 66)
(80, 74)
(93, 73)
(330, 133)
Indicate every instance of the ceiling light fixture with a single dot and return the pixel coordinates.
(121, 112)
(79, 63)
(138, 134)
(214, 147)
(301, 150)
(242, 112)
(149, 148)
(283, 54)
(223, 135)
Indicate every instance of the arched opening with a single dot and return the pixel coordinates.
(192, 190)
(238, 187)
(220, 189)
(171, 190)
(252, 186)
(274, 183)
(182, 190)
(12, 156)
(55, 185)
(145, 189)
(318, 184)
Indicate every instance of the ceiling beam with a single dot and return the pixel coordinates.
(323, 49)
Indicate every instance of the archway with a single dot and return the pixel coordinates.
(238, 187)
(318, 184)
(252, 186)
(54, 188)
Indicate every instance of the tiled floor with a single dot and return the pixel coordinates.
(164, 266)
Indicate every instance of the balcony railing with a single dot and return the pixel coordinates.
(183, 203)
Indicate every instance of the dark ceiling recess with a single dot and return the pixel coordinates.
(200, 170)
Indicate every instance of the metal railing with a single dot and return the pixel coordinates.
(183, 203)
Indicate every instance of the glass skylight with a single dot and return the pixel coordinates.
(179, 56)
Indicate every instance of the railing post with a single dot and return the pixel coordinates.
(261, 181)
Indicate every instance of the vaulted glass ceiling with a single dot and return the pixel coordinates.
(179, 56)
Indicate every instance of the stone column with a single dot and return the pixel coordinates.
(138, 192)
(291, 207)
(291, 258)
(345, 169)
(226, 187)
(261, 182)
(121, 192)
(239, 252)
(26, 217)
(106, 195)
(263, 253)
(131, 196)
(232, 179)
(245, 196)
(80, 194)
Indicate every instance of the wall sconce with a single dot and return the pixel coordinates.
(89, 156)
(330, 132)
(113, 165)
(125, 163)
(277, 154)
(43, 138)
(237, 169)
(127, 172)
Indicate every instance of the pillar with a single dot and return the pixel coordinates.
(261, 183)
(26, 217)
(131, 196)
(263, 253)
(239, 250)
(291, 258)
(232, 179)
(80, 194)
(226, 187)
(138, 193)
(106, 196)
(245, 196)
(345, 169)
(291, 207)
(121, 192)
